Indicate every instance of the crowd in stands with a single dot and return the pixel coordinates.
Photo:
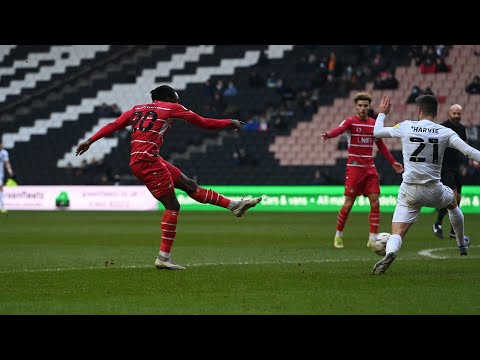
(329, 76)
(95, 172)
(241, 157)
(474, 86)
(416, 92)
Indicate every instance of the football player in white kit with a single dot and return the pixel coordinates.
(423, 145)
(4, 163)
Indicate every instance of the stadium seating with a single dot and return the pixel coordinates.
(51, 104)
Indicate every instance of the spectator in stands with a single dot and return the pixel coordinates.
(208, 90)
(416, 92)
(104, 110)
(115, 110)
(356, 83)
(361, 174)
(219, 86)
(441, 51)
(429, 91)
(312, 62)
(151, 122)
(263, 125)
(474, 86)
(246, 159)
(284, 89)
(378, 64)
(348, 72)
(81, 169)
(441, 66)
(332, 63)
(255, 80)
(218, 103)
(105, 180)
(4, 163)
(230, 90)
(391, 82)
(385, 81)
(320, 178)
(428, 56)
(416, 54)
(428, 66)
(252, 123)
(319, 77)
(272, 80)
(279, 122)
(242, 158)
(331, 85)
(308, 109)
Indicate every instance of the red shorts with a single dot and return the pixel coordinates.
(361, 181)
(158, 176)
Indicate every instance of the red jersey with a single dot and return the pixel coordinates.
(360, 141)
(150, 123)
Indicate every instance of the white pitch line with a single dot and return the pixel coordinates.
(430, 252)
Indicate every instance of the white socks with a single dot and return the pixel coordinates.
(232, 204)
(457, 221)
(394, 243)
(164, 254)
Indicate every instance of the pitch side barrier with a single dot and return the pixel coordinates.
(317, 198)
(137, 198)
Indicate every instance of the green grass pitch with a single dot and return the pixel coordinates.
(264, 263)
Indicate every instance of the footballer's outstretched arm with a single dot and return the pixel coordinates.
(121, 122)
(379, 130)
(181, 112)
(467, 150)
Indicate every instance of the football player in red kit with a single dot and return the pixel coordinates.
(361, 177)
(150, 123)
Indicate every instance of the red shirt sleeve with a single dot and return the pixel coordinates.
(384, 150)
(181, 112)
(344, 126)
(119, 123)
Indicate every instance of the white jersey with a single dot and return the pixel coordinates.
(423, 146)
(3, 159)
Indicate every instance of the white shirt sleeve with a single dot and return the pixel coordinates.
(470, 152)
(379, 130)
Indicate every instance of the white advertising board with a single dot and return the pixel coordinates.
(90, 198)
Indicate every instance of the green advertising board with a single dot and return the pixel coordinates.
(313, 198)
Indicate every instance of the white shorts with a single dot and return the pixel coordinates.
(411, 198)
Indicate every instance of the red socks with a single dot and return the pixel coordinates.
(342, 218)
(169, 229)
(374, 218)
(209, 197)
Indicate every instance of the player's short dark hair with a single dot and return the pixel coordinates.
(428, 104)
(162, 93)
(362, 96)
